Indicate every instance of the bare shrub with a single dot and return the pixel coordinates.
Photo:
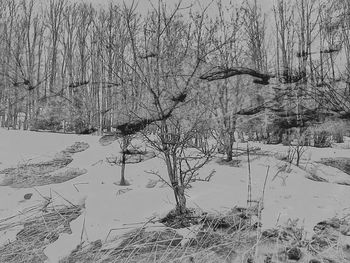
(331, 131)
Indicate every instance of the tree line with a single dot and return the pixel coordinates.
(74, 67)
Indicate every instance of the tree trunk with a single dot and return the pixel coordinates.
(179, 190)
(122, 176)
(298, 156)
(229, 141)
(100, 108)
(172, 178)
(229, 154)
(124, 148)
(181, 204)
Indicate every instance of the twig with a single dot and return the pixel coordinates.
(142, 223)
(206, 179)
(46, 204)
(280, 169)
(82, 230)
(161, 178)
(120, 228)
(123, 191)
(98, 162)
(44, 197)
(267, 175)
(260, 207)
(65, 199)
(249, 179)
(75, 185)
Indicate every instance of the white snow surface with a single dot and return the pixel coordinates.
(112, 210)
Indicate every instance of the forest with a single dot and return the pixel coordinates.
(189, 81)
(73, 67)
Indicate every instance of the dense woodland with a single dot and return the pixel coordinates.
(219, 71)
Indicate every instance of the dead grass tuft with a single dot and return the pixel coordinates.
(218, 239)
(215, 240)
(175, 220)
(37, 174)
(77, 147)
(341, 163)
(39, 230)
(232, 163)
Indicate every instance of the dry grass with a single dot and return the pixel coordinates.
(32, 179)
(229, 237)
(23, 171)
(37, 174)
(219, 238)
(42, 225)
(213, 241)
(341, 163)
(77, 147)
(232, 163)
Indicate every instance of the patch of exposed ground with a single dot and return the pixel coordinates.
(38, 232)
(232, 163)
(77, 147)
(341, 163)
(330, 170)
(44, 173)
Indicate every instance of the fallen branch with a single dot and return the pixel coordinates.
(131, 128)
(78, 84)
(148, 55)
(223, 73)
(251, 111)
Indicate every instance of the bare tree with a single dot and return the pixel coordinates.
(227, 93)
(166, 54)
(285, 34)
(345, 36)
(32, 77)
(255, 31)
(13, 69)
(54, 22)
(70, 22)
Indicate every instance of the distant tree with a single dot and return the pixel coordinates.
(344, 7)
(9, 70)
(285, 37)
(255, 32)
(54, 113)
(30, 66)
(54, 22)
(227, 93)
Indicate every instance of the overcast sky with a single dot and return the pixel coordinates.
(144, 5)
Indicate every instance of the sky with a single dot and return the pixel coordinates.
(144, 5)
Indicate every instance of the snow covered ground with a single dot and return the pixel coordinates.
(119, 208)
